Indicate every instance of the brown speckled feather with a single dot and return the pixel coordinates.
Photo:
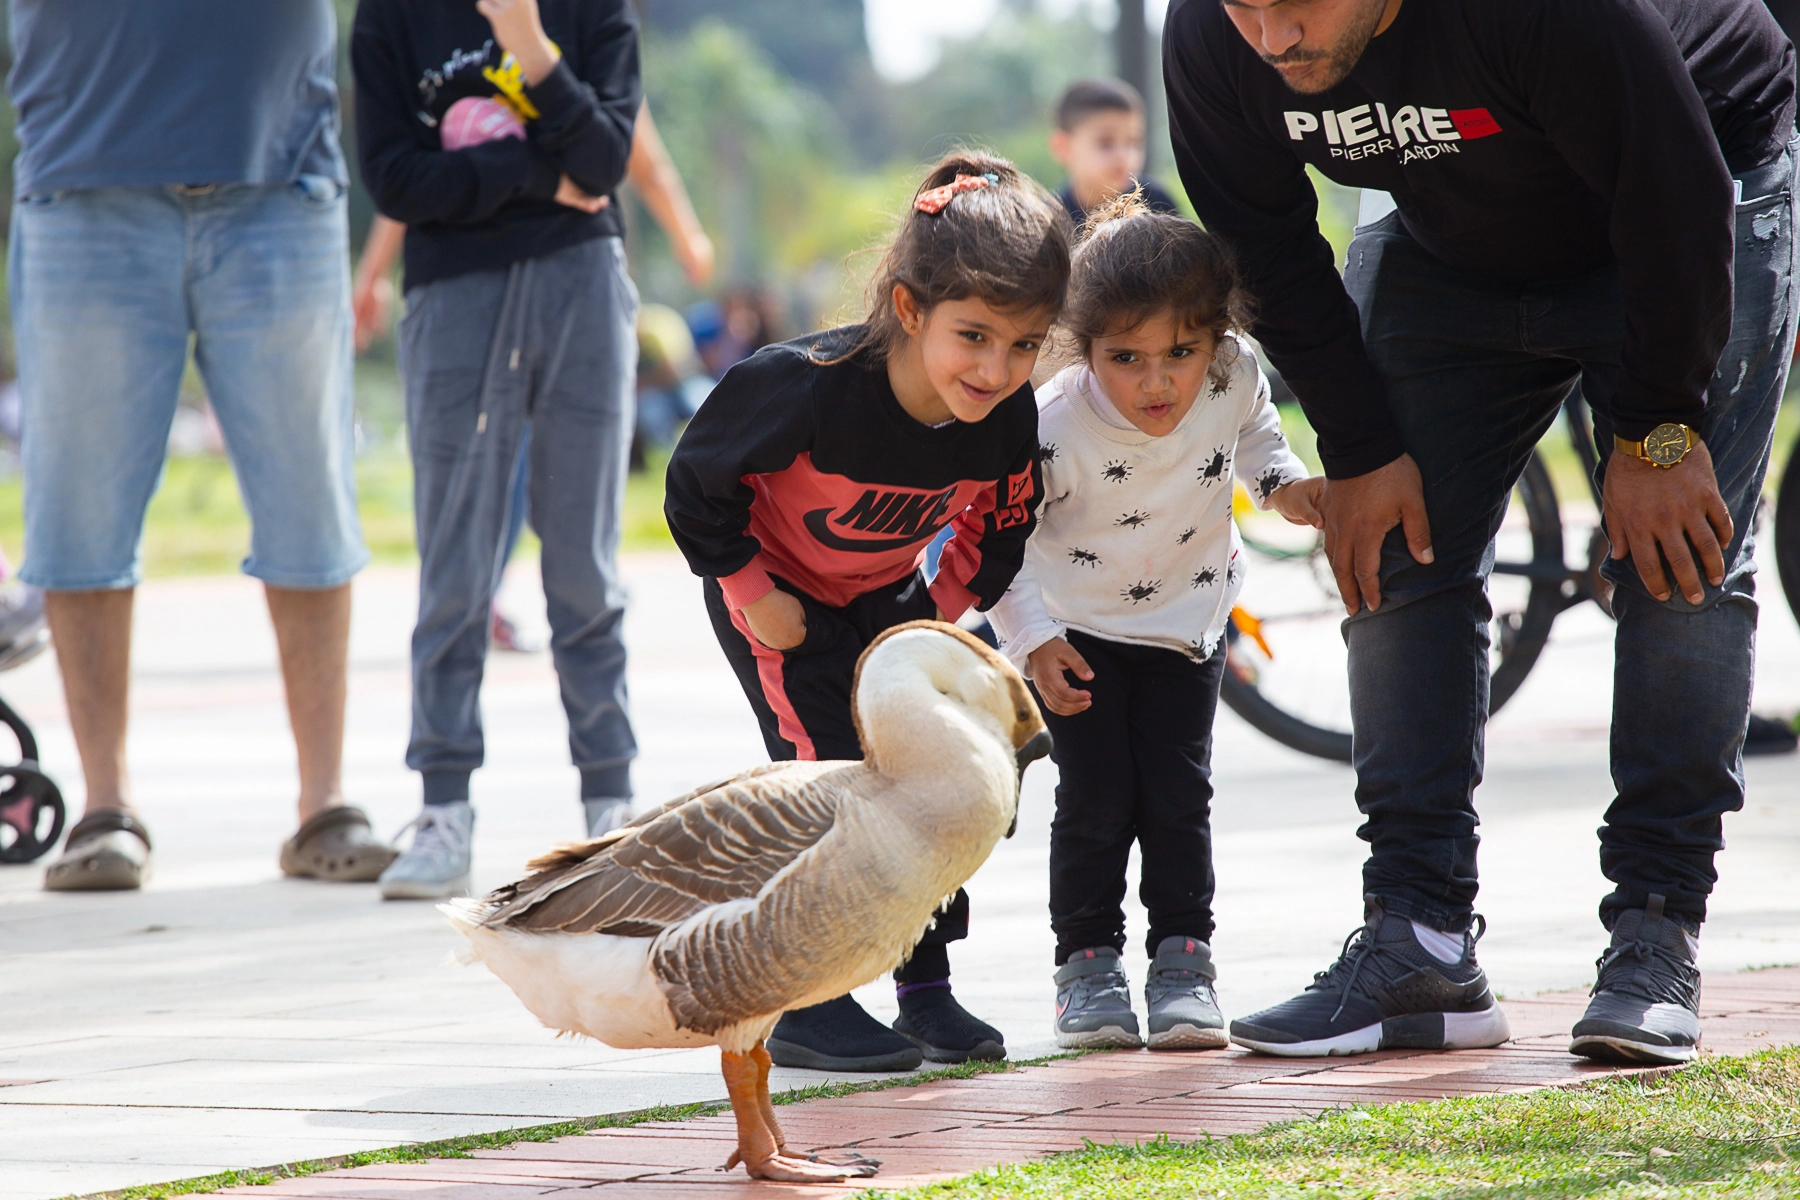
(716, 844)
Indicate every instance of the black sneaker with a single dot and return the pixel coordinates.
(1646, 1005)
(1384, 992)
(944, 1030)
(1767, 735)
(839, 1036)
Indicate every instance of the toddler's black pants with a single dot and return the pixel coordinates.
(1136, 766)
(802, 701)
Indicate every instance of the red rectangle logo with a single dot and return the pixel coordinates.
(1474, 123)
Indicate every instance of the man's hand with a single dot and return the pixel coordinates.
(777, 620)
(569, 192)
(1650, 509)
(1358, 514)
(1299, 501)
(371, 302)
(1048, 662)
(521, 34)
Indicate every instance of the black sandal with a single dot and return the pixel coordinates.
(337, 845)
(107, 851)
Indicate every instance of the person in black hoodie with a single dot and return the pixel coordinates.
(497, 132)
(1601, 193)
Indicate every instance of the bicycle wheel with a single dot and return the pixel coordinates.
(1286, 671)
(1787, 531)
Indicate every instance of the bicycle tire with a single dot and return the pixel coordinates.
(1787, 531)
(1543, 603)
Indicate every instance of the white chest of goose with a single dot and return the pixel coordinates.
(702, 922)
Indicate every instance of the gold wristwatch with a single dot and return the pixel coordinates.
(1663, 446)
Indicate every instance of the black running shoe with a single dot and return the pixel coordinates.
(839, 1036)
(1646, 1005)
(944, 1030)
(1384, 992)
(1767, 735)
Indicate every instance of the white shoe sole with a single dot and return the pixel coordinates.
(1189, 1037)
(1617, 1049)
(426, 889)
(1108, 1037)
(1459, 1031)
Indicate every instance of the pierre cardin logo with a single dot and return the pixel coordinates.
(887, 519)
(1414, 132)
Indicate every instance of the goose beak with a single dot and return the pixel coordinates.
(1025, 755)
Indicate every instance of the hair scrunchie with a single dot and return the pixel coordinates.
(933, 201)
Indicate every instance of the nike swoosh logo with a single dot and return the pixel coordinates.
(817, 525)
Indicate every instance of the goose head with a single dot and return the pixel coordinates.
(917, 678)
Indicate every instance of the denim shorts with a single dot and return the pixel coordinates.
(107, 285)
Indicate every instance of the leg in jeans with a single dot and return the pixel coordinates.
(582, 351)
(465, 406)
(1471, 398)
(1683, 675)
(1173, 700)
(1095, 821)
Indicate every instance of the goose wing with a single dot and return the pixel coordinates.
(718, 843)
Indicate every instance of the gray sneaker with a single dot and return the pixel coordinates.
(1093, 1003)
(1646, 1001)
(605, 815)
(436, 865)
(1184, 1011)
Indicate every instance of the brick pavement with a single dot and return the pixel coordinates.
(938, 1130)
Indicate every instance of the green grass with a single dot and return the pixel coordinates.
(1723, 1127)
(464, 1147)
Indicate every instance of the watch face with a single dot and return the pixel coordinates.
(1666, 445)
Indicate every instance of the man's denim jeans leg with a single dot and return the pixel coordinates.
(1476, 372)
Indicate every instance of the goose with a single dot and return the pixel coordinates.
(702, 921)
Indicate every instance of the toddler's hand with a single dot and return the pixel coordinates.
(777, 620)
(1299, 501)
(569, 192)
(521, 34)
(1048, 662)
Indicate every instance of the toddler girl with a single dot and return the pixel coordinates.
(808, 485)
(1127, 586)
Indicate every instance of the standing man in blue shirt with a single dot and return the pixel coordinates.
(179, 176)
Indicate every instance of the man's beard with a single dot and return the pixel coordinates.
(1337, 61)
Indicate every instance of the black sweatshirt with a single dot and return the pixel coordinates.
(814, 473)
(491, 205)
(1524, 141)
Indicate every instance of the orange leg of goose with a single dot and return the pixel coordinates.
(759, 1138)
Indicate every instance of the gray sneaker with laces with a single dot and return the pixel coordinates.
(1646, 1000)
(1093, 1003)
(1184, 1010)
(436, 865)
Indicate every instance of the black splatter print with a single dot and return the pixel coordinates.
(1186, 536)
(1132, 519)
(1116, 471)
(1204, 577)
(1267, 482)
(1218, 387)
(1046, 453)
(1215, 467)
(1141, 591)
(1083, 558)
(1231, 573)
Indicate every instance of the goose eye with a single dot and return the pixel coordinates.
(1023, 715)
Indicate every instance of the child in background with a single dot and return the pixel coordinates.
(808, 485)
(1099, 142)
(1127, 585)
(497, 132)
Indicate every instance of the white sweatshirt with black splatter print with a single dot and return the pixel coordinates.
(1135, 541)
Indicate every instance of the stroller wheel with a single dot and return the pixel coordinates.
(31, 813)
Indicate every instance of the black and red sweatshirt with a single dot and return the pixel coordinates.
(811, 471)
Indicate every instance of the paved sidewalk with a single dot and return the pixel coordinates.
(942, 1130)
(226, 1017)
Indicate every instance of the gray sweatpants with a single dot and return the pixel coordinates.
(550, 341)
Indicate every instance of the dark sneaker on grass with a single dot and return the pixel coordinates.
(1646, 1005)
(1184, 1010)
(944, 1030)
(1384, 992)
(1093, 1003)
(839, 1035)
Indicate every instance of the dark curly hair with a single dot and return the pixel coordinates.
(1132, 264)
(1006, 244)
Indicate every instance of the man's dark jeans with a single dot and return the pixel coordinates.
(1476, 372)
